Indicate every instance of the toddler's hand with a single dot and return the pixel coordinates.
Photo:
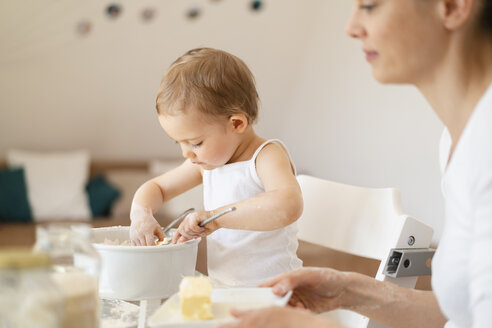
(190, 229)
(143, 227)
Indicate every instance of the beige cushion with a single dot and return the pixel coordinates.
(55, 182)
(127, 181)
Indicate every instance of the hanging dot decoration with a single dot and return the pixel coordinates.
(83, 28)
(256, 5)
(148, 14)
(193, 13)
(113, 10)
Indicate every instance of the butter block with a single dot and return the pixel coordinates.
(195, 293)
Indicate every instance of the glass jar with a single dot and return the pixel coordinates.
(75, 270)
(28, 295)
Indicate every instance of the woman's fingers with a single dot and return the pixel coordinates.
(239, 313)
(235, 324)
(286, 282)
(272, 282)
(283, 286)
(294, 301)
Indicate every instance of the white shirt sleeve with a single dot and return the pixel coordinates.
(480, 270)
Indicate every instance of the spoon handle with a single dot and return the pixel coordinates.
(216, 216)
(178, 219)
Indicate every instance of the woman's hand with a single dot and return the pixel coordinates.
(325, 289)
(316, 289)
(190, 229)
(144, 227)
(275, 316)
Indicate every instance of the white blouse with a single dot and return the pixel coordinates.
(462, 265)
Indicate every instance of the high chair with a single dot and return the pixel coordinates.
(362, 221)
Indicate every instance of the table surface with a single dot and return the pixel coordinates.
(23, 235)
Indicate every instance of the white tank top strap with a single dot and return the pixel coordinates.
(253, 159)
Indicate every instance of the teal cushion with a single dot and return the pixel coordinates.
(14, 204)
(102, 195)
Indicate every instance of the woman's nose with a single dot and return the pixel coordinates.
(353, 28)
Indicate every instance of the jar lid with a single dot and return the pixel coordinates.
(22, 258)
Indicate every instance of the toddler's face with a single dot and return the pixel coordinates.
(209, 145)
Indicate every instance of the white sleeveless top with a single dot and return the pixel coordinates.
(242, 258)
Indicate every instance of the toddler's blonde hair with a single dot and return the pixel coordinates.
(213, 81)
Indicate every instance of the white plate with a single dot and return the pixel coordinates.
(169, 313)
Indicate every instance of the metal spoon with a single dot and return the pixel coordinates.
(178, 219)
(216, 216)
(175, 221)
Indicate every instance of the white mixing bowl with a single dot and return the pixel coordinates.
(136, 273)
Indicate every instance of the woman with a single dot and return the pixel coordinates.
(444, 47)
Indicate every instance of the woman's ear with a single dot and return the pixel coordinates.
(456, 13)
(238, 122)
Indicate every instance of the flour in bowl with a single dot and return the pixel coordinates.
(117, 242)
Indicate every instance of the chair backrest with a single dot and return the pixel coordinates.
(347, 218)
(362, 221)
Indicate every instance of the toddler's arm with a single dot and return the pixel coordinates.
(152, 194)
(279, 206)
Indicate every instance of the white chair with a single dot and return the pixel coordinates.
(362, 221)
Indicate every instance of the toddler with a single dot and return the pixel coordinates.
(207, 103)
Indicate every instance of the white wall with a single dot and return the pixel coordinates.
(344, 126)
(99, 92)
(59, 91)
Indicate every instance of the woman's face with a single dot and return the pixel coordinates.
(402, 39)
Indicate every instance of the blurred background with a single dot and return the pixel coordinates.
(84, 75)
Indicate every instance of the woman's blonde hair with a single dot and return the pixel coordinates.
(210, 80)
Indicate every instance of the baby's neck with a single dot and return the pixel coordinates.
(247, 146)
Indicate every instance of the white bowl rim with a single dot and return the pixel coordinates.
(156, 248)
